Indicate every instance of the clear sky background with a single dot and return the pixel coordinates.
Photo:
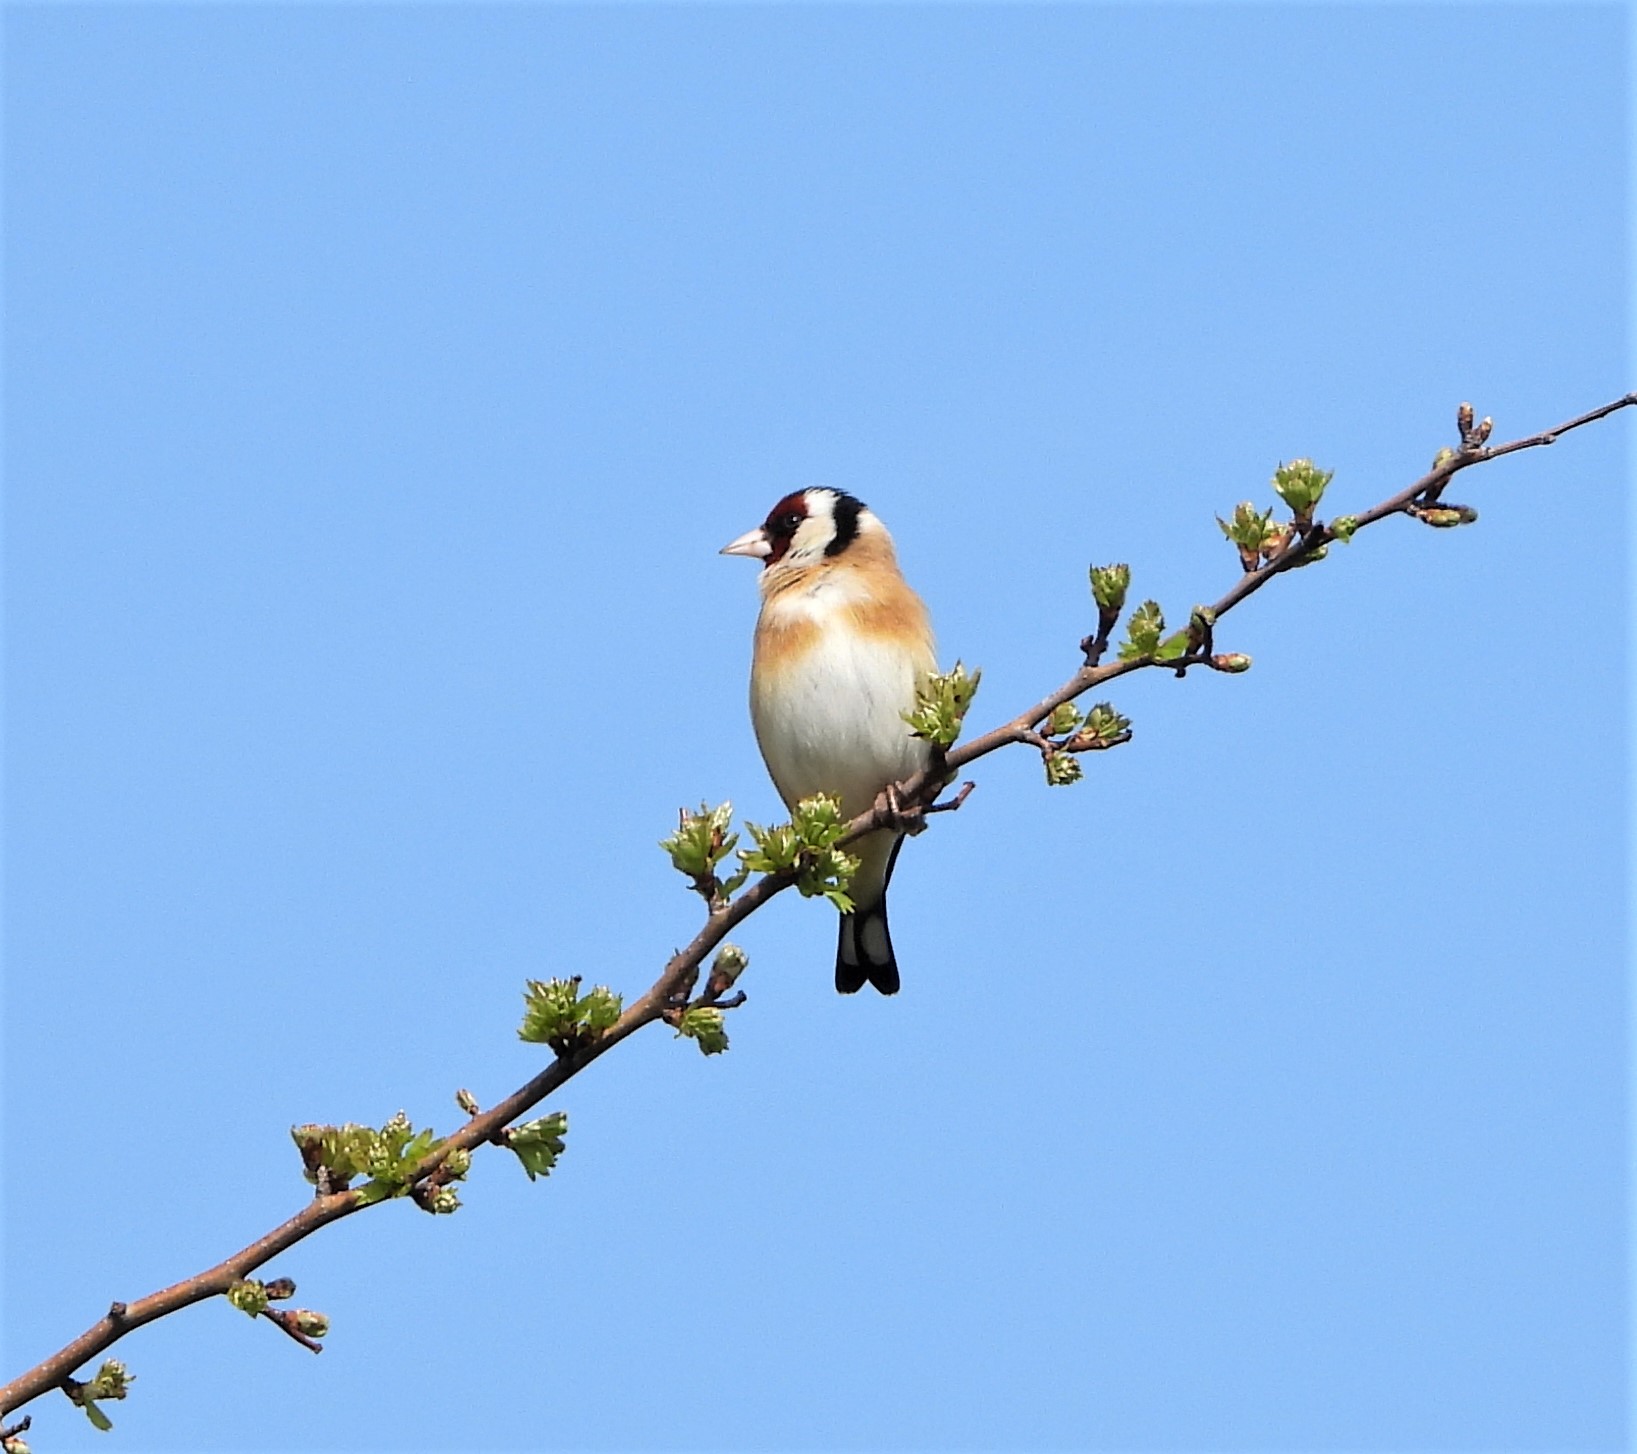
(380, 385)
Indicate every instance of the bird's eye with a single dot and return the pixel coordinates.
(787, 523)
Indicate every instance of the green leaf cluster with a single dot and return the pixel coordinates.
(941, 703)
(111, 1382)
(1103, 724)
(249, 1296)
(1301, 484)
(1145, 636)
(1109, 583)
(1253, 531)
(807, 845)
(538, 1144)
(1062, 768)
(1064, 719)
(705, 1026)
(555, 1013)
(1143, 631)
(701, 840)
(388, 1157)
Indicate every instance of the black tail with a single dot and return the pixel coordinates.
(864, 952)
(864, 948)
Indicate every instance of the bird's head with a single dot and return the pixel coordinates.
(807, 528)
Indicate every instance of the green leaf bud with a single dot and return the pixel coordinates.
(600, 1009)
(314, 1325)
(704, 1025)
(457, 1163)
(827, 874)
(466, 1101)
(1065, 718)
(555, 1013)
(1343, 527)
(1445, 517)
(248, 1296)
(1062, 768)
(1250, 530)
(332, 1156)
(941, 704)
(441, 1200)
(548, 1010)
(1103, 725)
(806, 845)
(538, 1144)
(818, 821)
(728, 965)
(1301, 484)
(1109, 583)
(701, 840)
(1144, 629)
(1442, 458)
(776, 848)
(112, 1380)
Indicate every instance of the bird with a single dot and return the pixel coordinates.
(842, 644)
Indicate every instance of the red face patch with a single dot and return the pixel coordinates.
(782, 522)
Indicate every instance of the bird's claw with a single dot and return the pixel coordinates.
(901, 819)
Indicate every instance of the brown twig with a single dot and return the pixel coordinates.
(286, 1323)
(918, 794)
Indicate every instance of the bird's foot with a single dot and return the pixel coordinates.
(896, 815)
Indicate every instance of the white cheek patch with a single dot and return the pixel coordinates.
(812, 535)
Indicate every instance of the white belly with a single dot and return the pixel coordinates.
(832, 721)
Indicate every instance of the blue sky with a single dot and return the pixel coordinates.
(380, 384)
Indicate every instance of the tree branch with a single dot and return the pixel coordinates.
(906, 805)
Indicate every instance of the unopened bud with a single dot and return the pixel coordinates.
(1234, 661)
(466, 1101)
(728, 965)
(441, 1200)
(1446, 517)
(314, 1325)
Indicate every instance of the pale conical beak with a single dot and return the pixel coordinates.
(752, 543)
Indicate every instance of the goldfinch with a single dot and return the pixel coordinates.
(841, 644)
